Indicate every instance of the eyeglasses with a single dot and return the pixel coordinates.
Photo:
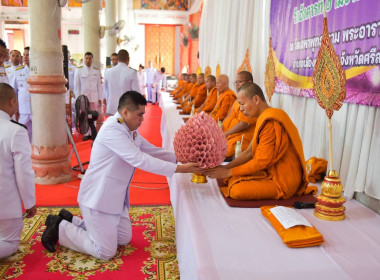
(239, 82)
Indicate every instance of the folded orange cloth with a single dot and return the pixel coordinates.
(315, 168)
(294, 237)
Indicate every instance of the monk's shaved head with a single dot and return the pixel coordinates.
(211, 78)
(246, 76)
(222, 83)
(251, 89)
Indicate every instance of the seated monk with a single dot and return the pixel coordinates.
(236, 125)
(190, 93)
(273, 166)
(225, 100)
(184, 89)
(200, 96)
(180, 84)
(212, 94)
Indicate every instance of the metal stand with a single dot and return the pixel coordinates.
(68, 130)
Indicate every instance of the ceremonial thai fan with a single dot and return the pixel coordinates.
(329, 84)
(82, 106)
(270, 72)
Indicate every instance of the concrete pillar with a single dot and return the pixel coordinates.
(50, 150)
(111, 19)
(91, 26)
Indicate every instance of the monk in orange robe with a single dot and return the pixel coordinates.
(181, 84)
(273, 166)
(225, 100)
(179, 97)
(190, 93)
(236, 126)
(184, 89)
(212, 94)
(200, 97)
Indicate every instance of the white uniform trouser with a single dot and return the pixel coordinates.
(26, 119)
(94, 106)
(98, 234)
(150, 92)
(10, 232)
(157, 93)
(143, 91)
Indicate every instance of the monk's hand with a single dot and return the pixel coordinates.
(29, 213)
(190, 167)
(219, 172)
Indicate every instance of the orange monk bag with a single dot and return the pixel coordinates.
(315, 169)
(295, 237)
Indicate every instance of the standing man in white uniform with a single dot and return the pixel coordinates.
(150, 77)
(87, 82)
(21, 87)
(16, 174)
(141, 76)
(16, 62)
(3, 56)
(104, 191)
(117, 80)
(159, 84)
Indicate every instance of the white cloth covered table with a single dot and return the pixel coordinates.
(215, 241)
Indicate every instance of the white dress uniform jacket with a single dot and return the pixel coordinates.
(118, 80)
(141, 76)
(87, 82)
(159, 81)
(16, 173)
(10, 69)
(3, 75)
(71, 69)
(115, 155)
(21, 87)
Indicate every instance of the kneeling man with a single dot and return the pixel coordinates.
(273, 166)
(104, 191)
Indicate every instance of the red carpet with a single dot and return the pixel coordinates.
(150, 255)
(66, 194)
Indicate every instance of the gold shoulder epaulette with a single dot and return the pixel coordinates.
(119, 120)
(18, 68)
(80, 66)
(7, 66)
(109, 66)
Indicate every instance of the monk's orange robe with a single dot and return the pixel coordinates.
(180, 84)
(182, 91)
(277, 169)
(232, 119)
(210, 101)
(198, 100)
(223, 106)
(193, 93)
(183, 94)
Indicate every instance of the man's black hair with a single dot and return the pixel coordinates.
(89, 53)
(131, 99)
(2, 44)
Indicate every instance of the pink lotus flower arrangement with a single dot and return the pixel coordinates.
(200, 140)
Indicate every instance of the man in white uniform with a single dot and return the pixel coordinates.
(141, 76)
(16, 62)
(16, 174)
(159, 84)
(71, 68)
(150, 77)
(3, 56)
(104, 191)
(118, 80)
(87, 82)
(21, 87)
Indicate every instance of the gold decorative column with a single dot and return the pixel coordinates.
(50, 150)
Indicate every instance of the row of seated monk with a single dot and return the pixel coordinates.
(271, 164)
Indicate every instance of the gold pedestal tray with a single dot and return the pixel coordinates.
(199, 178)
(330, 202)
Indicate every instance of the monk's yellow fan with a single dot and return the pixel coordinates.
(217, 73)
(329, 84)
(199, 70)
(208, 71)
(270, 72)
(246, 64)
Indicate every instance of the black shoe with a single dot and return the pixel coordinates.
(85, 138)
(50, 236)
(66, 215)
(154, 103)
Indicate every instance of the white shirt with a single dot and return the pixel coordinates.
(150, 75)
(114, 157)
(71, 69)
(16, 173)
(159, 80)
(118, 80)
(10, 69)
(21, 87)
(141, 76)
(87, 82)
(3, 75)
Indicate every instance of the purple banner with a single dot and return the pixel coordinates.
(354, 27)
